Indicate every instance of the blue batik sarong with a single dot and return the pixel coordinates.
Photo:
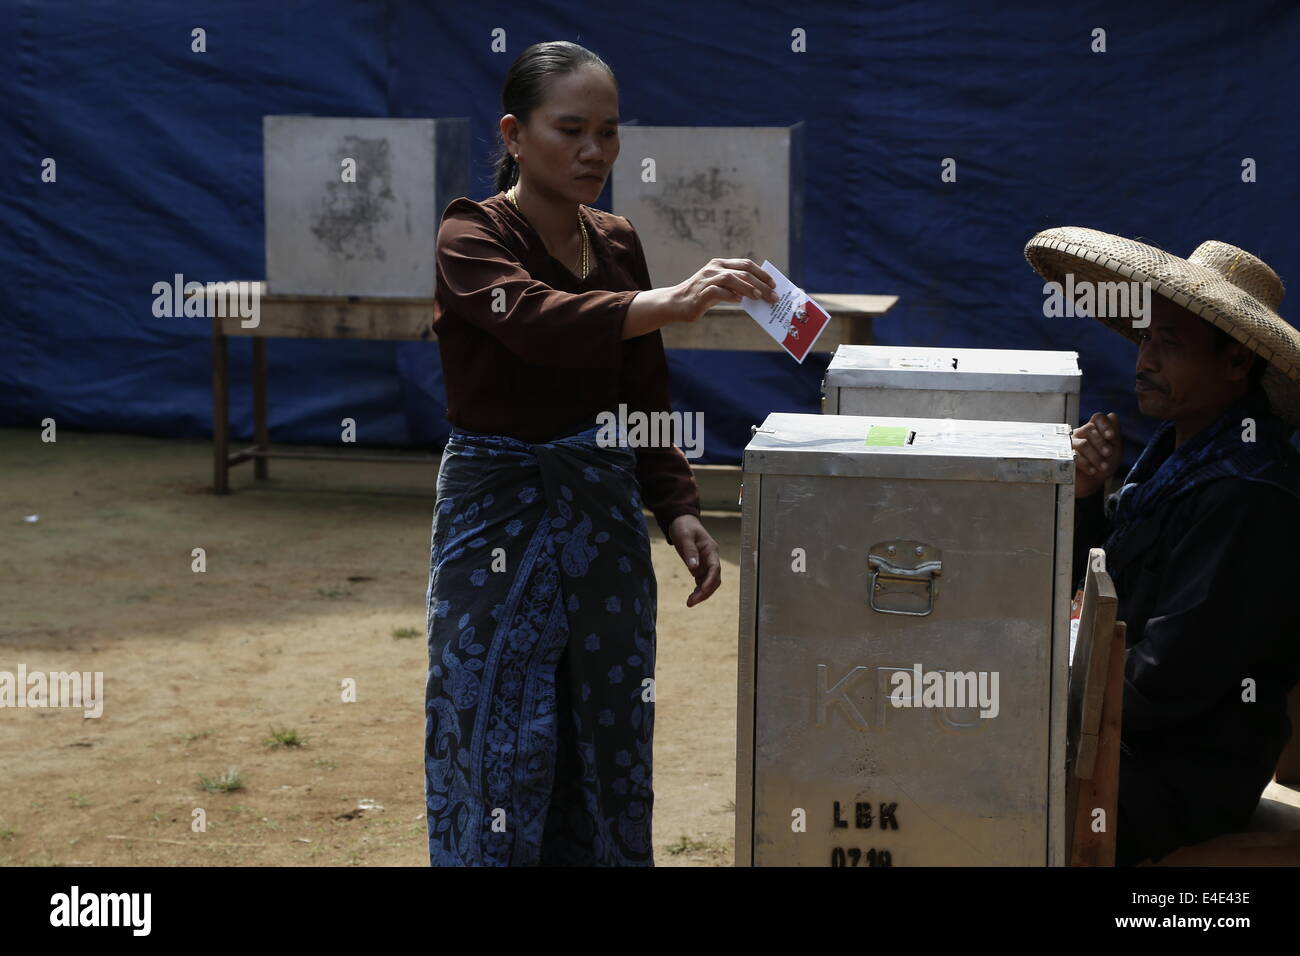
(539, 701)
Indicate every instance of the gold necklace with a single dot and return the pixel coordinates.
(511, 195)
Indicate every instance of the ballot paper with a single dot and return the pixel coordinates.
(794, 320)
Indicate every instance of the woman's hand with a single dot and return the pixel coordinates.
(700, 553)
(722, 280)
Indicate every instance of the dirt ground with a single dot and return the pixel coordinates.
(314, 576)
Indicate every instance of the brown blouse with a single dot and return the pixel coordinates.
(531, 351)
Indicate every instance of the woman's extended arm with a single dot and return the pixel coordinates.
(721, 280)
(650, 310)
(481, 280)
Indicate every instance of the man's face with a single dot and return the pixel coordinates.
(574, 133)
(1179, 374)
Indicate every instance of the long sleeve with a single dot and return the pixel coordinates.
(482, 281)
(1224, 604)
(668, 487)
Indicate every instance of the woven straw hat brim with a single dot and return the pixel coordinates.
(1095, 256)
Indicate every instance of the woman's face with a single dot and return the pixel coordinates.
(571, 140)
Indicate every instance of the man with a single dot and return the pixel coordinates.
(1201, 540)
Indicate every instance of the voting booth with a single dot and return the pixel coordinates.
(353, 204)
(904, 631)
(982, 384)
(695, 193)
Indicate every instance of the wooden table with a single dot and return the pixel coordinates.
(364, 317)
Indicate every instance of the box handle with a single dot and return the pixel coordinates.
(899, 571)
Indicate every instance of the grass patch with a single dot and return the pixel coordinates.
(685, 844)
(228, 782)
(286, 737)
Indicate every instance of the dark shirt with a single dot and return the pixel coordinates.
(531, 351)
(1210, 595)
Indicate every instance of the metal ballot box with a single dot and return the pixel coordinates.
(1011, 385)
(904, 632)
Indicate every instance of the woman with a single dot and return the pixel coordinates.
(542, 596)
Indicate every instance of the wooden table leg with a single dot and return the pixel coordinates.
(860, 330)
(259, 405)
(220, 410)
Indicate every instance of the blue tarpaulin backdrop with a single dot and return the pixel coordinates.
(159, 154)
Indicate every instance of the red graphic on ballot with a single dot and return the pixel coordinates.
(805, 326)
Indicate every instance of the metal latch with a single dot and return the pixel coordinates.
(902, 577)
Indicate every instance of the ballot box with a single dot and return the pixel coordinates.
(1013, 385)
(904, 634)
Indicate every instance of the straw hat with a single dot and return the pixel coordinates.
(1222, 284)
